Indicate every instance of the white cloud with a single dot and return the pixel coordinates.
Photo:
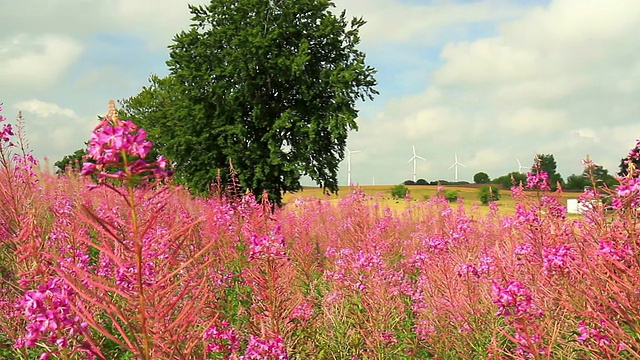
(44, 109)
(155, 21)
(424, 23)
(36, 62)
(560, 79)
(531, 121)
(587, 133)
(53, 131)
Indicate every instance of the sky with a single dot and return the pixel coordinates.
(493, 81)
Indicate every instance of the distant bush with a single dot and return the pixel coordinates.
(489, 194)
(422, 182)
(409, 182)
(451, 195)
(513, 178)
(399, 191)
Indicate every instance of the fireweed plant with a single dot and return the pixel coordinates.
(121, 264)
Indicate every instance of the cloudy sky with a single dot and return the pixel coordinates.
(491, 81)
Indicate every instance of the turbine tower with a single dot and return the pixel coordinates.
(349, 152)
(455, 165)
(520, 166)
(414, 158)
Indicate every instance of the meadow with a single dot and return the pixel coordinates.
(118, 263)
(381, 195)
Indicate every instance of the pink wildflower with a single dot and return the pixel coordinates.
(514, 299)
(556, 258)
(265, 349)
(115, 142)
(270, 246)
(224, 339)
(538, 180)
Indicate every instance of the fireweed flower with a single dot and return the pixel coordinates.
(270, 246)
(600, 335)
(528, 345)
(538, 180)
(513, 299)
(49, 316)
(555, 259)
(7, 130)
(553, 206)
(302, 312)
(466, 270)
(123, 145)
(614, 251)
(224, 339)
(265, 349)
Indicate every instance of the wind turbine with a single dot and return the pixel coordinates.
(455, 165)
(349, 152)
(520, 166)
(414, 158)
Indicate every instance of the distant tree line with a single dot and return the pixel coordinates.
(596, 175)
(436, 182)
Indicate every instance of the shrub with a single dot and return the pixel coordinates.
(451, 195)
(422, 182)
(399, 191)
(409, 182)
(489, 194)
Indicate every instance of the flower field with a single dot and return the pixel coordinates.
(120, 264)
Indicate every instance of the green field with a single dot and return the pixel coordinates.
(382, 194)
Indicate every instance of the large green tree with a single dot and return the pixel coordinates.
(269, 87)
(511, 179)
(481, 178)
(600, 175)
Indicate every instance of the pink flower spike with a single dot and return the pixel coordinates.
(88, 168)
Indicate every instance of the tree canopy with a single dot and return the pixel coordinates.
(600, 175)
(481, 178)
(268, 87)
(511, 179)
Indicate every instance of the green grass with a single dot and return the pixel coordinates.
(420, 193)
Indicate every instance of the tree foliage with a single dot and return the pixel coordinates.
(72, 162)
(269, 87)
(595, 176)
(576, 182)
(513, 178)
(481, 178)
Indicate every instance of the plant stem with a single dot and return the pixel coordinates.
(137, 244)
